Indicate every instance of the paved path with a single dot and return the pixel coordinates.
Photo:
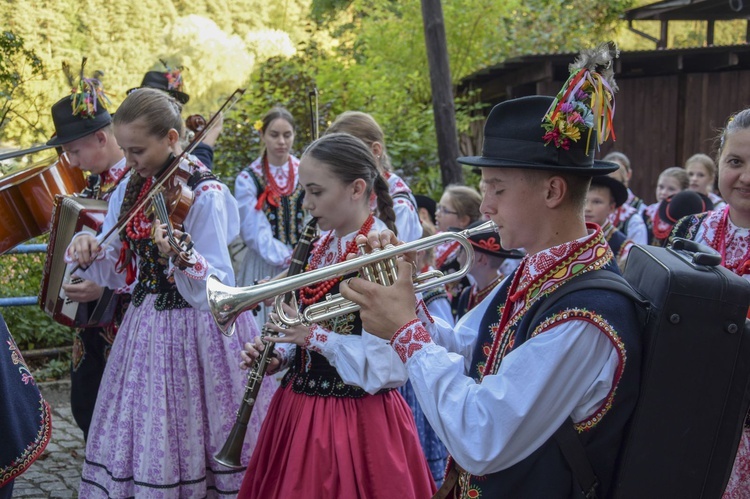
(57, 472)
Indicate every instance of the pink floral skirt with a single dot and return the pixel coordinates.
(167, 402)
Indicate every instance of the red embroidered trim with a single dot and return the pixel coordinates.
(422, 310)
(199, 271)
(409, 339)
(316, 339)
(600, 323)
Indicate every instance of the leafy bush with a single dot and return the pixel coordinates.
(21, 275)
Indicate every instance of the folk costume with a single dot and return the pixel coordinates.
(672, 209)
(408, 225)
(636, 202)
(618, 241)
(337, 428)
(25, 417)
(91, 345)
(627, 220)
(497, 404)
(271, 217)
(715, 229)
(169, 394)
(489, 244)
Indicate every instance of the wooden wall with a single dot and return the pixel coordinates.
(660, 121)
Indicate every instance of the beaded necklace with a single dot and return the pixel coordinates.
(312, 294)
(719, 242)
(273, 193)
(139, 227)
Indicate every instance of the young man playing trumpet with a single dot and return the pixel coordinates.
(513, 384)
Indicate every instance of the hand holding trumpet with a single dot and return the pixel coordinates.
(383, 309)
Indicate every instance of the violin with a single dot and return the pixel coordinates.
(195, 123)
(169, 171)
(171, 206)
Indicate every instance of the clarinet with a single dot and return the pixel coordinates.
(231, 452)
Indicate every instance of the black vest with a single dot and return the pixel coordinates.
(545, 473)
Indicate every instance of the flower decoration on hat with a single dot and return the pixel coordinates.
(88, 95)
(585, 104)
(174, 77)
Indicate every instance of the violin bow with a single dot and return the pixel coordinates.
(197, 139)
(314, 116)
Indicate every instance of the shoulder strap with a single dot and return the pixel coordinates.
(595, 279)
(566, 436)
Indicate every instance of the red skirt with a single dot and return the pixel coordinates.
(332, 447)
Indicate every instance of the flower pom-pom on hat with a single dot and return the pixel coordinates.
(84, 111)
(169, 81)
(558, 134)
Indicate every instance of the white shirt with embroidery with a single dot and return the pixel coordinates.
(256, 230)
(212, 223)
(366, 361)
(566, 371)
(737, 239)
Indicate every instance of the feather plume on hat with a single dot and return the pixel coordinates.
(89, 94)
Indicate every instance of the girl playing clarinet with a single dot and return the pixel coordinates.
(336, 427)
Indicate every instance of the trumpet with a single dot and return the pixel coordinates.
(227, 302)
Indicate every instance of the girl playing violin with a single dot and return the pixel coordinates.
(336, 427)
(170, 388)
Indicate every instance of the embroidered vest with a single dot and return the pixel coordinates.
(287, 220)
(153, 269)
(545, 473)
(312, 374)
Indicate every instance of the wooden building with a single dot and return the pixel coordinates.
(671, 103)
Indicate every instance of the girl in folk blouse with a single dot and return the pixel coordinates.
(727, 230)
(336, 427)
(170, 389)
(270, 202)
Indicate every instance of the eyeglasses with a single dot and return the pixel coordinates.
(443, 209)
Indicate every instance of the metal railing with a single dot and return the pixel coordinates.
(23, 301)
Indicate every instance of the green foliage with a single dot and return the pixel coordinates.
(21, 275)
(18, 64)
(53, 369)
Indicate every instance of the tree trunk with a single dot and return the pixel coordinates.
(442, 92)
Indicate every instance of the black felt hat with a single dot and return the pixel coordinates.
(428, 204)
(489, 243)
(160, 81)
(682, 204)
(514, 138)
(617, 188)
(70, 127)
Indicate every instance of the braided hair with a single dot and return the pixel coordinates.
(349, 159)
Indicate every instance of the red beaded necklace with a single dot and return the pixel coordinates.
(312, 294)
(720, 244)
(139, 227)
(273, 192)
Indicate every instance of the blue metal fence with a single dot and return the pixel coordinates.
(22, 301)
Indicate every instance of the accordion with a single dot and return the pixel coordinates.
(72, 215)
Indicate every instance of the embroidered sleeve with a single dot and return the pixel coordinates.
(199, 271)
(317, 339)
(411, 338)
(285, 354)
(423, 314)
